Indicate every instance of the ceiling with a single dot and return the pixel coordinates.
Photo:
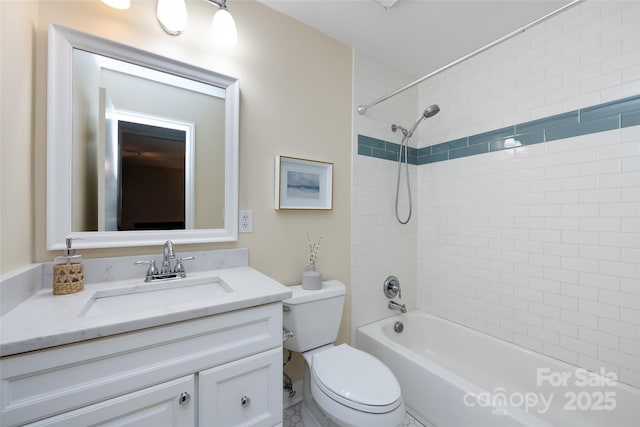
(416, 36)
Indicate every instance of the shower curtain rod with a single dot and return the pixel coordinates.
(363, 108)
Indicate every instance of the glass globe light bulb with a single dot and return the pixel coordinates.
(224, 29)
(172, 15)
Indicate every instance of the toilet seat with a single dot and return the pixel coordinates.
(356, 379)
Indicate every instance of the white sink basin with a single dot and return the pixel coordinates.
(167, 295)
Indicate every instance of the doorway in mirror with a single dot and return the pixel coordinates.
(152, 185)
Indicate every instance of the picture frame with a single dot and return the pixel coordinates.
(303, 184)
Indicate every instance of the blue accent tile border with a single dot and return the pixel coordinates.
(372, 147)
(599, 118)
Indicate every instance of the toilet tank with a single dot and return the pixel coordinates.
(313, 316)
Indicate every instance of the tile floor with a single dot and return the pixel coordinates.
(292, 418)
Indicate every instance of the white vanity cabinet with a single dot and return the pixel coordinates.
(219, 370)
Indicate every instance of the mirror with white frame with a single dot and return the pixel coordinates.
(141, 148)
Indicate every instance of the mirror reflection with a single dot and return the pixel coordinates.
(152, 169)
(149, 146)
(140, 148)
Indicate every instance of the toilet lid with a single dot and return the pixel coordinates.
(356, 379)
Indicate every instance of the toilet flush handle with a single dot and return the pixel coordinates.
(287, 334)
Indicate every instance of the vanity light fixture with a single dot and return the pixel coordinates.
(172, 15)
(118, 4)
(223, 27)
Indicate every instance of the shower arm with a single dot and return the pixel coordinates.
(363, 108)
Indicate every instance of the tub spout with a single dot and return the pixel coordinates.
(397, 306)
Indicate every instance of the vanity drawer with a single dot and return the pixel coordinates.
(162, 405)
(48, 382)
(247, 392)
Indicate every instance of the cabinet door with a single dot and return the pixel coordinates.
(247, 392)
(168, 404)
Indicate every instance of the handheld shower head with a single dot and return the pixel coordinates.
(431, 111)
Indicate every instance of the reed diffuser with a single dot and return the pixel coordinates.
(312, 279)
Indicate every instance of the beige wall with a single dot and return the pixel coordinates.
(295, 86)
(17, 92)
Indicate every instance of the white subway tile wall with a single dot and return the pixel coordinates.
(585, 56)
(380, 245)
(538, 245)
(554, 273)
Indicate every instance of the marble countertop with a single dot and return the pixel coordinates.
(46, 320)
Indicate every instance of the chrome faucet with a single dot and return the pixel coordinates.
(168, 254)
(397, 306)
(165, 272)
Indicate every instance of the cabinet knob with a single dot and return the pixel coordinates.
(245, 401)
(184, 398)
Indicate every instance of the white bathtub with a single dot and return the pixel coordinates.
(454, 376)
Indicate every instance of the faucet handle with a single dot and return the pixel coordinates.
(392, 287)
(179, 268)
(152, 271)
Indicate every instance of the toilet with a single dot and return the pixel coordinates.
(342, 386)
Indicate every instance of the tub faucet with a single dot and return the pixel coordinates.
(397, 306)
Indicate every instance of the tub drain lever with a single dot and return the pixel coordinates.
(398, 327)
